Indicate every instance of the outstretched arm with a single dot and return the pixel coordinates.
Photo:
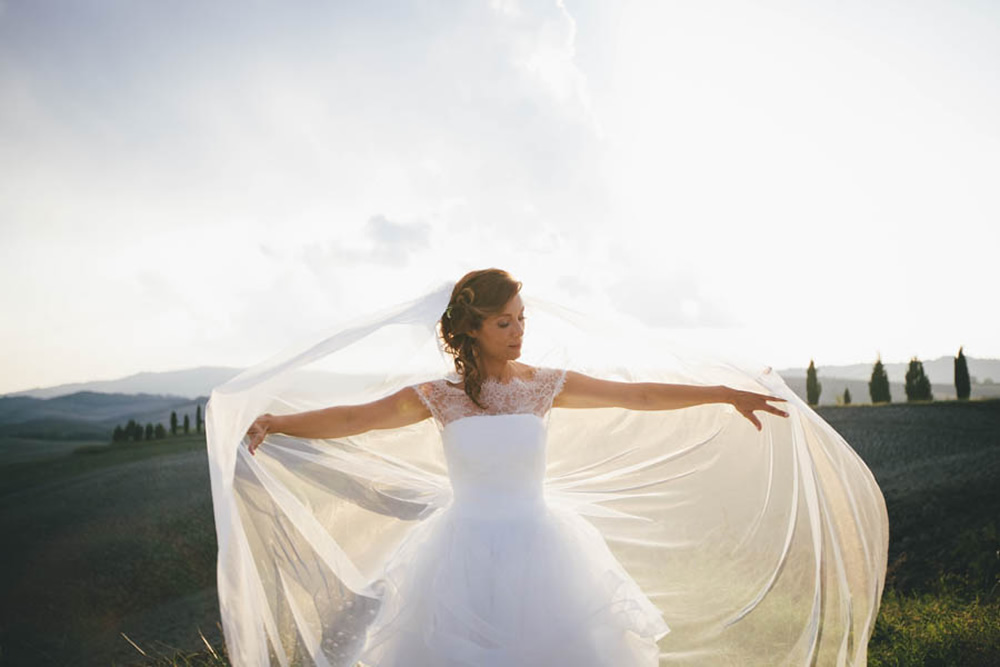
(399, 409)
(583, 391)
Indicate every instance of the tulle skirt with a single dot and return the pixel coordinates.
(536, 590)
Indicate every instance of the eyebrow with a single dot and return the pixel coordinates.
(508, 314)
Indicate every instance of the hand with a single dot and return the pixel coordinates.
(746, 402)
(259, 430)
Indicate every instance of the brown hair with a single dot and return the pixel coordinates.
(476, 296)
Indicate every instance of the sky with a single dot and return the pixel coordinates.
(191, 183)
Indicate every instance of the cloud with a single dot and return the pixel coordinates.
(670, 301)
(393, 242)
(382, 242)
(544, 48)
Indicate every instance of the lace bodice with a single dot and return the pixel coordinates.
(447, 400)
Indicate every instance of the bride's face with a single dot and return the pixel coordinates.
(500, 335)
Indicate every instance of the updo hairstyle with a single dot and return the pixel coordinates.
(475, 297)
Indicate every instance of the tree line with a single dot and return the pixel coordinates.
(133, 431)
(917, 385)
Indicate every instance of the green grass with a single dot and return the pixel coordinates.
(160, 654)
(938, 465)
(943, 628)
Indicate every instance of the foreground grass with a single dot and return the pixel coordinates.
(936, 629)
(932, 630)
(108, 540)
(938, 465)
(159, 654)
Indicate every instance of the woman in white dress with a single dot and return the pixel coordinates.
(492, 561)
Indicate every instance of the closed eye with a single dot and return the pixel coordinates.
(505, 323)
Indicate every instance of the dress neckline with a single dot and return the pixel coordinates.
(494, 381)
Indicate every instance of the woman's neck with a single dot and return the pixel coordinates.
(501, 370)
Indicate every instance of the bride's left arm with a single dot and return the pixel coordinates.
(584, 391)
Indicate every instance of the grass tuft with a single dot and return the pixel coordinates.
(165, 655)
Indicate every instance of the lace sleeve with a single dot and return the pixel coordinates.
(431, 393)
(550, 381)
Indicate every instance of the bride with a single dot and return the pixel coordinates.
(542, 539)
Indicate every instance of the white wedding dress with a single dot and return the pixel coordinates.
(522, 535)
(500, 577)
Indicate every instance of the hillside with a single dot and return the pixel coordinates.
(88, 414)
(833, 390)
(985, 375)
(939, 371)
(190, 383)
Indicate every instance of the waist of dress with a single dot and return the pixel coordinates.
(498, 503)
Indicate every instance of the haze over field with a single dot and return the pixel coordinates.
(198, 382)
(187, 184)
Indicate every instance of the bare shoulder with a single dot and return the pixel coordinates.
(405, 403)
(400, 408)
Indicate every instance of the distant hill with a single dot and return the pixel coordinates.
(833, 388)
(985, 374)
(191, 383)
(939, 371)
(150, 396)
(89, 414)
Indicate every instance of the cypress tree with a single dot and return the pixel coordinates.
(159, 432)
(149, 431)
(197, 419)
(118, 434)
(847, 396)
(878, 386)
(135, 429)
(173, 423)
(962, 385)
(813, 386)
(918, 386)
(187, 424)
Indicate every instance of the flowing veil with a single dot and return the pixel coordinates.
(760, 548)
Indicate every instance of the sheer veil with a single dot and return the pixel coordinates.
(760, 548)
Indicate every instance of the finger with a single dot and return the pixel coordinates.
(766, 397)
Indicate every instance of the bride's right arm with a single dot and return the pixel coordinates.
(399, 409)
